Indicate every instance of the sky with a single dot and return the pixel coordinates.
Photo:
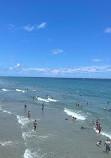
(55, 38)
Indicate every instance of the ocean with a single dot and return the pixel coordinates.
(57, 134)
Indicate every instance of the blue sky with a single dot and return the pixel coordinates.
(55, 38)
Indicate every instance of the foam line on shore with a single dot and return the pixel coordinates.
(19, 90)
(6, 143)
(29, 154)
(108, 135)
(52, 100)
(41, 99)
(5, 90)
(74, 114)
(5, 111)
(23, 121)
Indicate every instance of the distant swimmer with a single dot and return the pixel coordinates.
(25, 106)
(87, 102)
(33, 97)
(107, 144)
(35, 125)
(99, 127)
(43, 106)
(53, 97)
(28, 114)
(98, 143)
(85, 127)
(93, 123)
(105, 107)
(97, 123)
(66, 118)
(74, 118)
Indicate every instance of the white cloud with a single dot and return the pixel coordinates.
(15, 67)
(97, 60)
(57, 51)
(10, 68)
(108, 30)
(11, 27)
(42, 25)
(71, 70)
(18, 65)
(28, 28)
(36, 69)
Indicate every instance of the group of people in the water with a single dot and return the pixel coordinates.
(98, 125)
(35, 122)
(106, 143)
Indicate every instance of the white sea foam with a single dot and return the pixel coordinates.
(52, 100)
(41, 99)
(26, 135)
(74, 114)
(23, 121)
(44, 137)
(33, 90)
(88, 113)
(19, 90)
(29, 154)
(6, 143)
(103, 133)
(5, 90)
(7, 111)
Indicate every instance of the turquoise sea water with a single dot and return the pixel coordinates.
(55, 136)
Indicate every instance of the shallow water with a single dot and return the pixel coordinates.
(57, 134)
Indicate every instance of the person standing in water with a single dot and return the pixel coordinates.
(43, 106)
(107, 144)
(35, 125)
(25, 107)
(28, 114)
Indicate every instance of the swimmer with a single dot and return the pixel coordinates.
(35, 125)
(25, 106)
(43, 106)
(107, 144)
(99, 127)
(66, 118)
(85, 127)
(28, 114)
(98, 143)
(93, 122)
(105, 107)
(74, 118)
(53, 97)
